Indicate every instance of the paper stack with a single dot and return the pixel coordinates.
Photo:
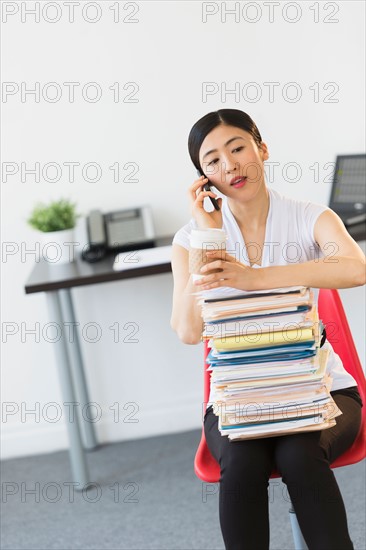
(268, 372)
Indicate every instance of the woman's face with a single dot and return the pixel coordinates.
(228, 153)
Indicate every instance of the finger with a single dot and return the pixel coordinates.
(193, 191)
(205, 193)
(197, 183)
(205, 280)
(216, 264)
(206, 285)
(201, 196)
(223, 255)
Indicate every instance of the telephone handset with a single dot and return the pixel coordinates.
(97, 247)
(207, 187)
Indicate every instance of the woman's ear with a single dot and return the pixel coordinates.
(264, 150)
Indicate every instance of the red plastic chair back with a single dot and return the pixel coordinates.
(332, 314)
(339, 335)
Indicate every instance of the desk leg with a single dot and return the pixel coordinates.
(77, 369)
(77, 456)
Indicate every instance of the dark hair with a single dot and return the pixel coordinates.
(228, 117)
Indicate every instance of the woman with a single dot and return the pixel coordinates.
(276, 242)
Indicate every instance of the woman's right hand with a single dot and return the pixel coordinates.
(204, 219)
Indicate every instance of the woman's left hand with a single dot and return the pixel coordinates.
(233, 273)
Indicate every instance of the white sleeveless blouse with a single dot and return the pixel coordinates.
(289, 238)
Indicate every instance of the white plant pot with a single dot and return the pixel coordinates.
(57, 247)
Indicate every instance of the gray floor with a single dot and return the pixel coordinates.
(160, 503)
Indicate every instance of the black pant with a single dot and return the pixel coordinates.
(303, 460)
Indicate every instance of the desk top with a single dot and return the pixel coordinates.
(45, 276)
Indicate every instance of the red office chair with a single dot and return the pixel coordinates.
(332, 314)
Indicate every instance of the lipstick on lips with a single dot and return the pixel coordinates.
(238, 181)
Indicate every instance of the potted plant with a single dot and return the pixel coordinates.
(55, 222)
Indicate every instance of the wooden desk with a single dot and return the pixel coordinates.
(56, 281)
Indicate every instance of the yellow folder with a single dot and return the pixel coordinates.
(250, 341)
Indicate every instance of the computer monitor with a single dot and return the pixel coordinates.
(348, 196)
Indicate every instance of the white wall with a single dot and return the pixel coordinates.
(170, 52)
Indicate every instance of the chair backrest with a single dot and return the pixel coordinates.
(205, 466)
(339, 335)
(332, 314)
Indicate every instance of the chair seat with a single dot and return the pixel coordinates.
(208, 469)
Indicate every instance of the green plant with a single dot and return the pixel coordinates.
(56, 216)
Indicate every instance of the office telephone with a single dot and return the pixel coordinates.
(119, 231)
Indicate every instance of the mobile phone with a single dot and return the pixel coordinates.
(207, 187)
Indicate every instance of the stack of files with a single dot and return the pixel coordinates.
(268, 373)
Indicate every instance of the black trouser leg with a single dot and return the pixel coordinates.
(304, 462)
(243, 501)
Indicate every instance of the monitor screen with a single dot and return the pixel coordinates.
(348, 194)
